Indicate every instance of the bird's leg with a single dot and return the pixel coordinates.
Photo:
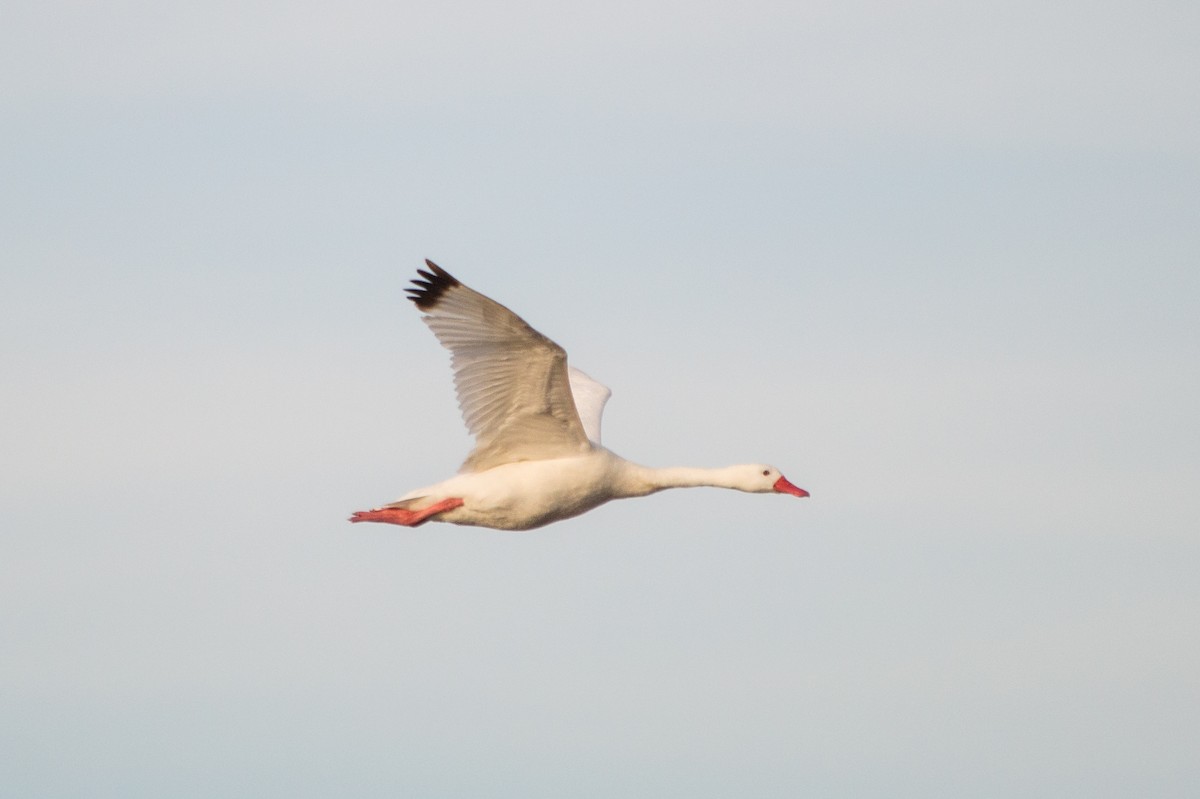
(405, 517)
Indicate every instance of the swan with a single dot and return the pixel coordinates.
(536, 423)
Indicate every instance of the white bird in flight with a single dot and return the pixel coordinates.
(536, 423)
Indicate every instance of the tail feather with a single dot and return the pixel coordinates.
(403, 504)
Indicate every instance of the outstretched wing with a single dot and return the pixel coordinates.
(512, 382)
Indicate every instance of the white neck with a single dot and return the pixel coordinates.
(642, 480)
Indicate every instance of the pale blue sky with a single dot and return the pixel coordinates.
(936, 261)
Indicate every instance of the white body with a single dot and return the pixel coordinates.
(528, 494)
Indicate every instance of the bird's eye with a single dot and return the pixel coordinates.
(766, 472)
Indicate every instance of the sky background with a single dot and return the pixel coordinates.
(939, 262)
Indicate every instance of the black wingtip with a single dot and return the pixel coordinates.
(427, 289)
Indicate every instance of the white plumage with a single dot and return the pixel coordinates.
(536, 422)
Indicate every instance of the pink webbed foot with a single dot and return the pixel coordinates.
(405, 517)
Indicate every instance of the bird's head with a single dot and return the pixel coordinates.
(758, 478)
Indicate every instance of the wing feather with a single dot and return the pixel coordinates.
(590, 397)
(512, 382)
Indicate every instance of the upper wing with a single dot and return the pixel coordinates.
(511, 380)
